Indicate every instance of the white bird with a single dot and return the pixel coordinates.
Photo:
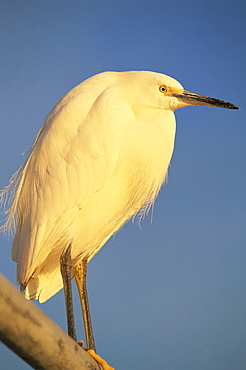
(101, 156)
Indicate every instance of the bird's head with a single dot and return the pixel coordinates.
(156, 90)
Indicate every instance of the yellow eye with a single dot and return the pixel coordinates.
(163, 89)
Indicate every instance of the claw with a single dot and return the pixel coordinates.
(99, 359)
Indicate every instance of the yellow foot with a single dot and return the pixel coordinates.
(99, 359)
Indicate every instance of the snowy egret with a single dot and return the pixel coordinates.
(101, 156)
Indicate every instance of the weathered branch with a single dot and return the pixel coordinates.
(26, 330)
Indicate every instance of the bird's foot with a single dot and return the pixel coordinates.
(99, 359)
(92, 353)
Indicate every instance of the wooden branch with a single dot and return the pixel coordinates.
(26, 330)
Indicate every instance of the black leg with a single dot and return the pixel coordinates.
(80, 277)
(66, 267)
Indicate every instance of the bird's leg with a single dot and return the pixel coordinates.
(66, 268)
(80, 278)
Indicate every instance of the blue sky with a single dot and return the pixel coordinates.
(170, 295)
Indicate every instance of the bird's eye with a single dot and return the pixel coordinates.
(162, 89)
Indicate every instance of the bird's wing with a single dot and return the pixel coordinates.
(73, 157)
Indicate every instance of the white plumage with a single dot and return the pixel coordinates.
(100, 157)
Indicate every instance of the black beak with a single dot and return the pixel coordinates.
(196, 99)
